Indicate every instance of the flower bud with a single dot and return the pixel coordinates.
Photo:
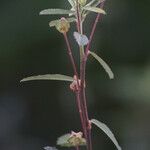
(63, 25)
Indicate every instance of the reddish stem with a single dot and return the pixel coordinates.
(77, 147)
(82, 77)
(80, 108)
(93, 30)
(71, 58)
(81, 99)
(78, 16)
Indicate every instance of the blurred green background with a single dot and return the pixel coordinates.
(34, 114)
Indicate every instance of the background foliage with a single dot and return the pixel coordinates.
(33, 115)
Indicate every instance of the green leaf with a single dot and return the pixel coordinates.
(49, 77)
(104, 64)
(72, 3)
(107, 131)
(55, 12)
(68, 140)
(63, 140)
(54, 22)
(94, 9)
(94, 3)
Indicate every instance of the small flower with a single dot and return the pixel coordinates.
(63, 25)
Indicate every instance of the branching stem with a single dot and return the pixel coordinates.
(93, 30)
(83, 61)
(80, 94)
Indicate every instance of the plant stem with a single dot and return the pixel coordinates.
(71, 58)
(80, 109)
(80, 30)
(77, 147)
(78, 16)
(82, 77)
(83, 96)
(79, 25)
(93, 29)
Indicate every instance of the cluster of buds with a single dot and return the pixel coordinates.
(63, 25)
(74, 85)
(76, 139)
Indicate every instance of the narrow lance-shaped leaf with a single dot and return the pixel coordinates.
(94, 9)
(55, 12)
(49, 77)
(72, 3)
(104, 64)
(94, 3)
(107, 131)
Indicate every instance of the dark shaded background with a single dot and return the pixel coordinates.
(34, 114)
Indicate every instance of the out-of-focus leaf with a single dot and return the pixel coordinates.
(63, 140)
(68, 140)
(72, 3)
(55, 12)
(107, 131)
(49, 77)
(94, 9)
(50, 148)
(94, 3)
(72, 9)
(54, 22)
(104, 64)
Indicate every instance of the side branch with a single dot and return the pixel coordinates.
(93, 29)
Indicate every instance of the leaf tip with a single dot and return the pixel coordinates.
(40, 13)
(22, 80)
(112, 76)
(107, 131)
